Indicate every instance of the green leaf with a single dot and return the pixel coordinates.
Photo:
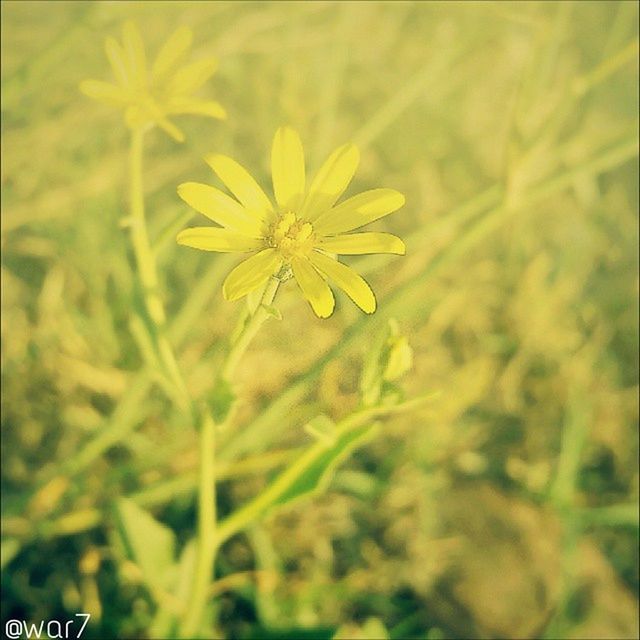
(185, 569)
(313, 472)
(148, 542)
(323, 428)
(308, 475)
(181, 578)
(10, 548)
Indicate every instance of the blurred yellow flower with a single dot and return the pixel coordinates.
(299, 235)
(149, 98)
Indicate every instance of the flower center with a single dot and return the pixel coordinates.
(291, 236)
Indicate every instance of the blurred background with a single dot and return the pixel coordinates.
(506, 507)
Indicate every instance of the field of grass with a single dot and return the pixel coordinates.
(506, 505)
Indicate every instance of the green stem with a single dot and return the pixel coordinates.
(207, 546)
(146, 265)
(139, 235)
(206, 531)
(250, 329)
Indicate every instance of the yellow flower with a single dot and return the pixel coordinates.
(149, 98)
(299, 235)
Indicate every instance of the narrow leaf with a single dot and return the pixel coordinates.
(150, 544)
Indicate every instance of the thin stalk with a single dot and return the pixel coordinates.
(206, 530)
(146, 266)
(207, 546)
(139, 234)
(250, 329)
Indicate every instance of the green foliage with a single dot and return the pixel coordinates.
(309, 474)
(372, 628)
(312, 472)
(512, 130)
(323, 428)
(150, 544)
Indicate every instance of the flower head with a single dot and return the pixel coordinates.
(301, 234)
(149, 97)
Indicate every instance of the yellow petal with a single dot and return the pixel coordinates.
(166, 125)
(118, 62)
(192, 76)
(219, 207)
(171, 52)
(331, 181)
(347, 279)
(242, 185)
(287, 168)
(216, 239)
(313, 287)
(358, 211)
(251, 273)
(210, 109)
(104, 92)
(134, 50)
(361, 243)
